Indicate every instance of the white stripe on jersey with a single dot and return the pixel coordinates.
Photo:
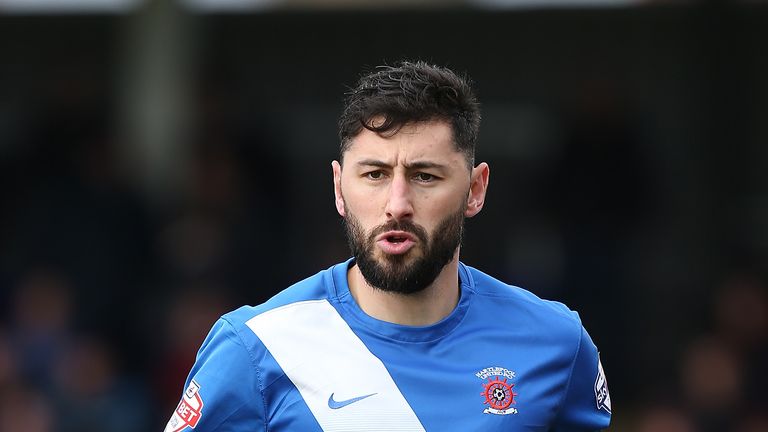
(322, 357)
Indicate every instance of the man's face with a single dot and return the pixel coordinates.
(410, 271)
(404, 199)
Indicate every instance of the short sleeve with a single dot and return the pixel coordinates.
(222, 392)
(587, 404)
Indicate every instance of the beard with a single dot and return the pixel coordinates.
(405, 274)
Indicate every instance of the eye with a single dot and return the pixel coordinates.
(424, 177)
(374, 175)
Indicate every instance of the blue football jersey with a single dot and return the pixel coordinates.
(310, 359)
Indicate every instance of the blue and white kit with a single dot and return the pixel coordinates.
(310, 359)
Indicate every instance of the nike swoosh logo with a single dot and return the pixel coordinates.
(334, 404)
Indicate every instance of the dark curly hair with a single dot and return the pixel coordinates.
(411, 92)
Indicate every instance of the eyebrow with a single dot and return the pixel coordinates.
(412, 165)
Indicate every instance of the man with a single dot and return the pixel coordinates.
(403, 336)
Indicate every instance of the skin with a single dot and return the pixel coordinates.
(415, 174)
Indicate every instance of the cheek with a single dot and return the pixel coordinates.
(435, 207)
(361, 202)
(362, 208)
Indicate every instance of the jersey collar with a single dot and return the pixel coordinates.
(338, 290)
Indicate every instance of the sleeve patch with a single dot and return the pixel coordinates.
(602, 396)
(188, 412)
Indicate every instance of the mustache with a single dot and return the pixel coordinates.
(405, 225)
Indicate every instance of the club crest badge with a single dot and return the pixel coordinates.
(497, 390)
(188, 412)
(602, 396)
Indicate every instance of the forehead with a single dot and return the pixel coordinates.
(414, 141)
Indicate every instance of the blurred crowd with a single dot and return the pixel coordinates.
(106, 297)
(57, 377)
(718, 381)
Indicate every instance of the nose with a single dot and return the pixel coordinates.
(399, 204)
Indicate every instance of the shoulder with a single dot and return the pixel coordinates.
(315, 287)
(522, 302)
(521, 313)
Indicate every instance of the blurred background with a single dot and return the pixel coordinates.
(164, 161)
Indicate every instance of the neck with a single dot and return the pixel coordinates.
(423, 308)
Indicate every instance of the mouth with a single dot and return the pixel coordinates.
(395, 237)
(395, 242)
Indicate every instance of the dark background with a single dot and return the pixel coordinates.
(161, 167)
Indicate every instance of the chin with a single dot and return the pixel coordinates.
(398, 260)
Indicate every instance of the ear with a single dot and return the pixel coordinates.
(339, 200)
(477, 187)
